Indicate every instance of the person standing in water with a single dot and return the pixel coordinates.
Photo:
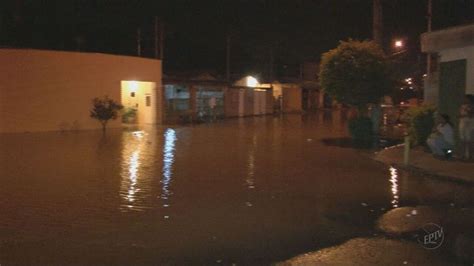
(466, 126)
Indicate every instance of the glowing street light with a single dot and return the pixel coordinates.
(398, 44)
(252, 82)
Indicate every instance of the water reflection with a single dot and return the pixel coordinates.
(250, 180)
(130, 168)
(168, 160)
(394, 186)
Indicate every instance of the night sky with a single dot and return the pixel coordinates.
(294, 31)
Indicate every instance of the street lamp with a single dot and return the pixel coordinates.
(398, 44)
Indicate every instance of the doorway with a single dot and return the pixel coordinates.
(139, 101)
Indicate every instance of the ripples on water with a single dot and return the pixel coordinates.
(245, 190)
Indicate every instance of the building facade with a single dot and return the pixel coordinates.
(53, 90)
(452, 73)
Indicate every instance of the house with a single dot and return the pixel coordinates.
(188, 97)
(44, 90)
(452, 74)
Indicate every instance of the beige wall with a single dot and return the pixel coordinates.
(231, 103)
(291, 99)
(49, 90)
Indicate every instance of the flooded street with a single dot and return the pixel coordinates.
(246, 191)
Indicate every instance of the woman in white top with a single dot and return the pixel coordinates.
(442, 140)
(466, 125)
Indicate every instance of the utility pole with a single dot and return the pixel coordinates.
(429, 14)
(162, 39)
(227, 58)
(428, 78)
(272, 63)
(156, 38)
(139, 40)
(377, 23)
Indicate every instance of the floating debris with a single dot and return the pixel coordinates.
(364, 204)
(414, 212)
(166, 217)
(249, 204)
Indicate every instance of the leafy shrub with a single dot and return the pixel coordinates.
(361, 131)
(420, 122)
(104, 109)
(129, 115)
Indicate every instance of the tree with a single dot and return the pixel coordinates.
(356, 73)
(104, 109)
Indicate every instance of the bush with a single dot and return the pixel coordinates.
(420, 122)
(361, 131)
(104, 109)
(129, 115)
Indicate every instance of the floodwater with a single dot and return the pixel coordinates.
(245, 191)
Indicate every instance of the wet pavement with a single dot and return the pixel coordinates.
(246, 191)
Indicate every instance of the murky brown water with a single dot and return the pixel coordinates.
(249, 191)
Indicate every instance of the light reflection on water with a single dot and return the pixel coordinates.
(133, 145)
(250, 180)
(394, 186)
(168, 160)
(113, 193)
(140, 156)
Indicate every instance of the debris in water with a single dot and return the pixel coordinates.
(309, 140)
(249, 204)
(166, 216)
(364, 204)
(414, 212)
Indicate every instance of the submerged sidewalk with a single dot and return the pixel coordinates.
(425, 162)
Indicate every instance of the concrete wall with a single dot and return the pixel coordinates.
(292, 99)
(232, 103)
(462, 53)
(449, 38)
(50, 90)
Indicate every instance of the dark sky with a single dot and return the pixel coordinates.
(293, 31)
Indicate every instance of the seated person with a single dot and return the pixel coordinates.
(442, 138)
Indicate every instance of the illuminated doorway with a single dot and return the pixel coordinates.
(139, 101)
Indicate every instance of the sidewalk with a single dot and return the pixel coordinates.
(426, 163)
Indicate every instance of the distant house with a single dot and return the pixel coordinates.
(199, 96)
(452, 74)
